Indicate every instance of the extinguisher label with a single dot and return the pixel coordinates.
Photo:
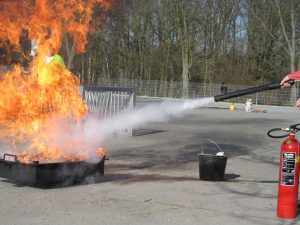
(288, 168)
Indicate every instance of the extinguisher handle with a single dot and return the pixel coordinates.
(295, 127)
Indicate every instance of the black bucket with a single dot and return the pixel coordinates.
(212, 167)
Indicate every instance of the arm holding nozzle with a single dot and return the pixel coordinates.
(292, 76)
(285, 84)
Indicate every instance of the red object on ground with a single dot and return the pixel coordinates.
(288, 179)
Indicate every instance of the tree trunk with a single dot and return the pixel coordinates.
(185, 75)
(89, 70)
(70, 51)
(82, 74)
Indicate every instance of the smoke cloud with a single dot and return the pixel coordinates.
(101, 130)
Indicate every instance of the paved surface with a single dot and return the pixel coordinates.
(152, 177)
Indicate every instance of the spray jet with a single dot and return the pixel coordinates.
(266, 87)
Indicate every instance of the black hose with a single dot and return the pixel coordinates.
(252, 90)
(278, 136)
(287, 131)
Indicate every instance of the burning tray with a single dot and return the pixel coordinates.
(48, 174)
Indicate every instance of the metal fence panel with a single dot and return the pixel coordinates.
(106, 102)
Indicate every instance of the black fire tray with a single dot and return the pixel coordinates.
(48, 174)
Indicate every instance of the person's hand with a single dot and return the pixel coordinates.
(298, 103)
(285, 84)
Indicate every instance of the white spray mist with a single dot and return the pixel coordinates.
(100, 130)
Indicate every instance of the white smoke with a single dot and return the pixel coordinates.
(101, 130)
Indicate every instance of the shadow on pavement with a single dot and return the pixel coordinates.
(141, 132)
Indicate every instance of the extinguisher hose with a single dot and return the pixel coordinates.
(271, 86)
(283, 132)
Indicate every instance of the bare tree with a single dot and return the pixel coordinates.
(241, 42)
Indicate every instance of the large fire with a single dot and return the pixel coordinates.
(41, 103)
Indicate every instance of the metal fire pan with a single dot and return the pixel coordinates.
(48, 174)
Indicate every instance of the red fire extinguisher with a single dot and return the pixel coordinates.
(288, 173)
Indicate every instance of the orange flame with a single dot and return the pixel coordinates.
(102, 152)
(32, 99)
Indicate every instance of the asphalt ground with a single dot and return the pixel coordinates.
(153, 176)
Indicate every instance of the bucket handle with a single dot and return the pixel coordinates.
(220, 153)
